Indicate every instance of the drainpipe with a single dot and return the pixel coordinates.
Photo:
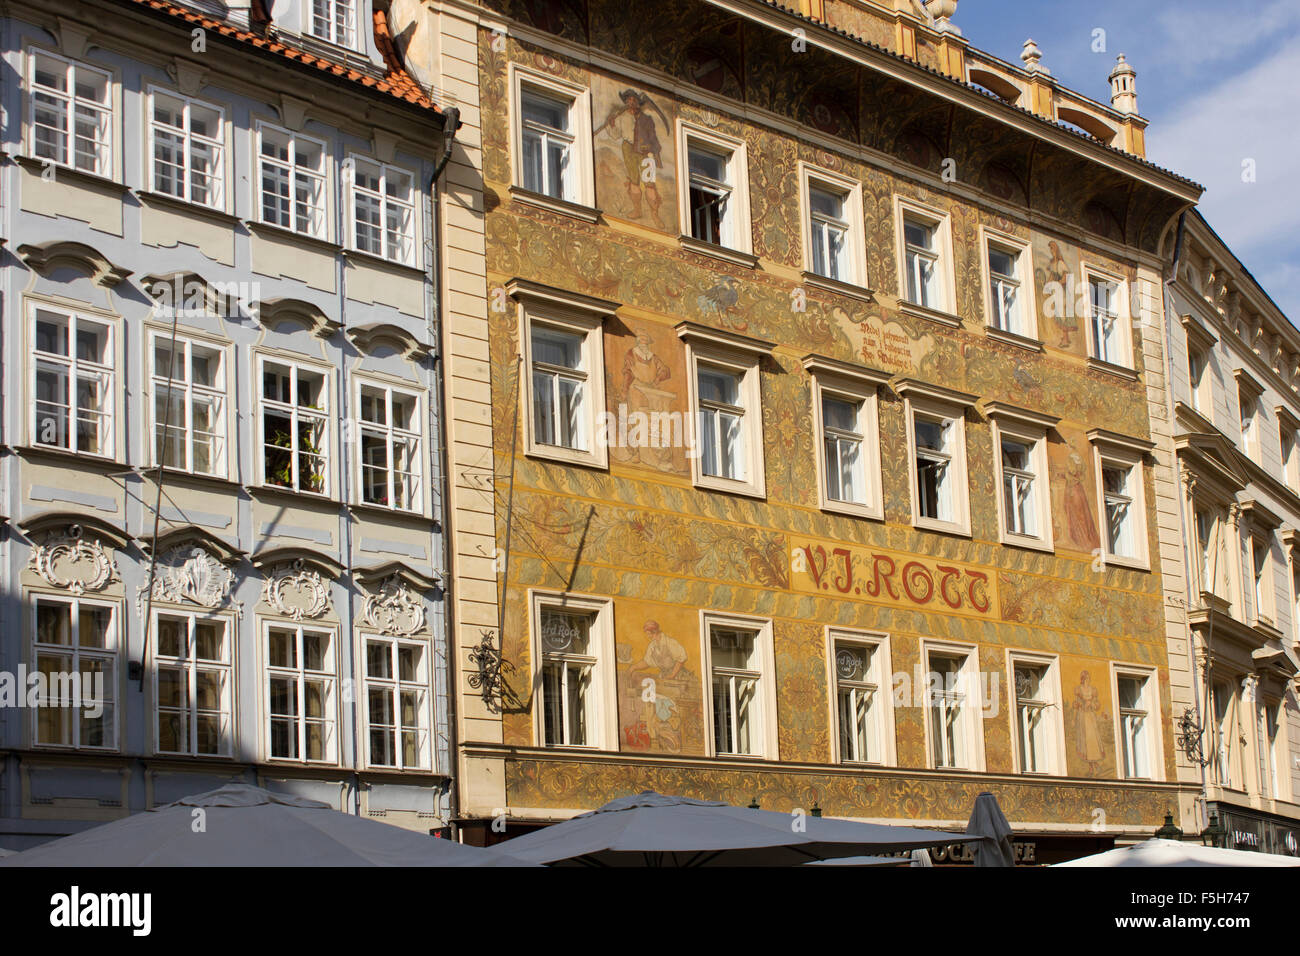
(1167, 304)
(451, 122)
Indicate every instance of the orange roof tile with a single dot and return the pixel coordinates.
(396, 81)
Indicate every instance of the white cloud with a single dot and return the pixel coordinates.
(1192, 38)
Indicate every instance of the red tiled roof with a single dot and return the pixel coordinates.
(396, 81)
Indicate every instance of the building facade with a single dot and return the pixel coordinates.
(799, 437)
(222, 460)
(1231, 576)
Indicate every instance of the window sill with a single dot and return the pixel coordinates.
(186, 207)
(79, 176)
(1119, 371)
(178, 474)
(567, 456)
(275, 491)
(551, 204)
(369, 258)
(943, 527)
(933, 315)
(745, 489)
(839, 287)
(1132, 564)
(691, 244)
(1026, 542)
(368, 508)
(1013, 338)
(868, 512)
(292, 235)
(63, 454)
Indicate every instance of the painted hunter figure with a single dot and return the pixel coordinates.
(633, 123)
(643, 372)
(1058, 271)
(1089, 719)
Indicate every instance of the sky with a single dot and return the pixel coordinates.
(1218, 82)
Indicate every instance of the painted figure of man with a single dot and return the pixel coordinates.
(635, 127)
(643, 371)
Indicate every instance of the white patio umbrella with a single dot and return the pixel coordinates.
(1176, 853)
(242, 825)
(4, 853)
(656, 830)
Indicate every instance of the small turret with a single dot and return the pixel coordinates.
(1123, 87)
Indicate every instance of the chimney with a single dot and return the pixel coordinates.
(1123, 87)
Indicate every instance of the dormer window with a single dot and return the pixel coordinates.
(335, 21)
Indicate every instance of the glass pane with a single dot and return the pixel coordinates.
(554, 347)
(734, 648)
(281, 648)
(54, 623)
(719, 387)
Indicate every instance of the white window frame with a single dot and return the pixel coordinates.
(936, 402)
(71, 103)
(394, 686)
(187, 391)
(293, 171)
(1250, 406)
(940, 224)
(291, 408)
(190, 666)
(1110, 450)
(729, 354)
(1026, 298)
(969, 686)
(577, 315)
(849, 383)
(1264, 580)
(411, 205)
(1288, 431)
(1026, 428)
(1053, 712)
(882, 672)
(298, 676)
(220, 199)
(582, 180)
(737, 227)
(75, 367)
(850, 190)
(332, 34)
(765, 738)
(602, 714)
(1123, 321)
(391, 435)
(75, 653)
(1151, 702)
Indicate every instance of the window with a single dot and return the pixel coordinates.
(335, 21)
(191, 435)
(300, 701)
(1276, 757)
(1107, 323)
(564, 375)
(573, 646)
(832, 226)
(1227, 757)
(75, 649)
(295, 427)
(388, 447)
(726, 411)
(714, 190)
(188, 150)
(862, 699)
(848, 458)
(1121, 497)
(1213, 560)
(953, 722)
(1198, 374)
(1038, 728)
(1008, 276)
(1136, 734)
(1248, 393)
(547, 141)
(1289, 438)
(1262, 573)
(293, 181)
(71, 114)
(73, 382)
(937, 440)
(398, 705)
(1020, 443)
(924, 256)
(192, 689)
(742, 702)
(383, 211)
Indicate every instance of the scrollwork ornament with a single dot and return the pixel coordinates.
(295, 578)
(72, 562)
(394, 608)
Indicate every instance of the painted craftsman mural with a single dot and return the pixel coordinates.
(642, 534)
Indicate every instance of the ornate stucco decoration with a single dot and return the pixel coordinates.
(369, 337)
(45, 258)
(73, 561)
(271, 312)
(394, 608)
(297, 591)
(190, 574)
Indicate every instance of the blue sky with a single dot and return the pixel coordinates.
(1218, 82)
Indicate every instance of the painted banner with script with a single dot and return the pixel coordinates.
(833, 569)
